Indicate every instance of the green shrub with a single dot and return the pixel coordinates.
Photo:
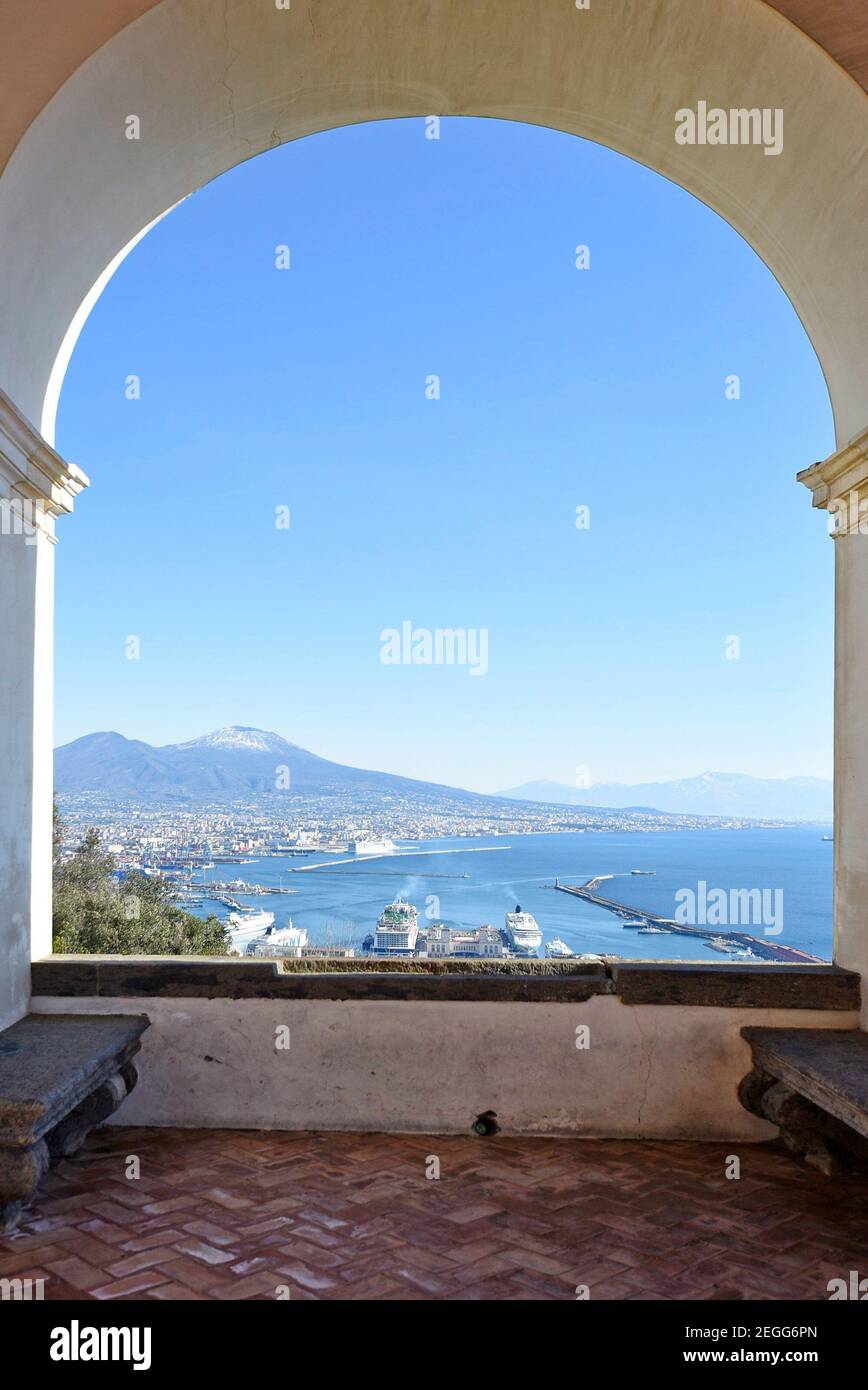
(96, 914)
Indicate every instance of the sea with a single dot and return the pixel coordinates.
(468, 882)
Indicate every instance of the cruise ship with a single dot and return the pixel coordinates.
(523, 932)
(363, 847)
(278, 941)
(397, 929)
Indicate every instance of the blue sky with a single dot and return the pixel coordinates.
(305, 388)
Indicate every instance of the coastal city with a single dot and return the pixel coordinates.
(202, 850)
(146, 833)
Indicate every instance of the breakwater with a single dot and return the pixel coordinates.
(760, 947)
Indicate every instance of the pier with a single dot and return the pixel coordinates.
(763, 949)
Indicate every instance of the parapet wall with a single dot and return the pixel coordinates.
(586, 1066)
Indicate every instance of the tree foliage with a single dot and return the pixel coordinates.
(96, 913)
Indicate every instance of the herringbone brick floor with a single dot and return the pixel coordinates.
(227, 1214)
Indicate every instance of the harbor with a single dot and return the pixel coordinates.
(341, 902)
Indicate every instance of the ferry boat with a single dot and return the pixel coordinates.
(644, 873)
(557, 949)
(523, 932)
(652, 931)
(367, 847)
(397, 929)
(246, 926)
(278, 941)
(631, 923)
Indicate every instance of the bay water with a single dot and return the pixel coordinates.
(467, 882)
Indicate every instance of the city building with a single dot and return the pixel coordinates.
(441, 942)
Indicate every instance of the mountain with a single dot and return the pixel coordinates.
(231, 761)
(238, 760)
(710, 794)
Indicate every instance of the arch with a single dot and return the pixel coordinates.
(213, 85)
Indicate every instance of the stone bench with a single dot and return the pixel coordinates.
(60, 1074)
(813, 1084)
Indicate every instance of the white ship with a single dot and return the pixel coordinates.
(523, 932)
(397, 929)
(363, 847)
(278, 941)
(652, 931)
(556, 948)
(244, 927)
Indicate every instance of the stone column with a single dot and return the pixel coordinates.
(36, 486)
(840, 485)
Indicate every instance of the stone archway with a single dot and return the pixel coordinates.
(211, 85)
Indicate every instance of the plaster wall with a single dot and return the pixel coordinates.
(650, 1071)
(26, 703)
(851, 757)
(215, 84)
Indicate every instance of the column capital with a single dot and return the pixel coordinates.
(33, 476)
(839, 485)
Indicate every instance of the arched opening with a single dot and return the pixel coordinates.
(511, 481)
(213, 86)
(386, 332)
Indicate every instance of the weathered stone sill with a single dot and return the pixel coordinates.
(724, 985)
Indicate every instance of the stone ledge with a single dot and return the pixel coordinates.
(737, 986)
(823, 987)
(179, 978)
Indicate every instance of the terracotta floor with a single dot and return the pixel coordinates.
(222, 1214)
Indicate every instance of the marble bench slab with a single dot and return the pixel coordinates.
(826, 1065)
(813, 1084)
(60, 1075)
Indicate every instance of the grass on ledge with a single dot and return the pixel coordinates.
(472, 966)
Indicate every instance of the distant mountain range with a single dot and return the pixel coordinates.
(236, 761)
(229, 762)
(710, 794)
